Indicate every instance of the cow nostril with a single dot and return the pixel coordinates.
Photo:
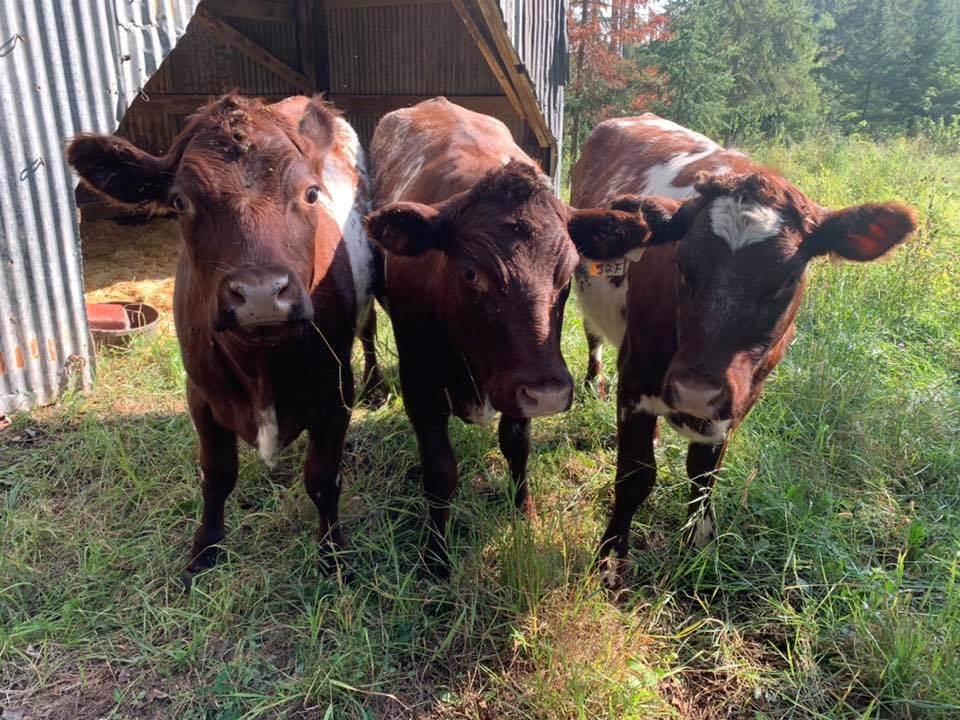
(283, 289)
(526, 397)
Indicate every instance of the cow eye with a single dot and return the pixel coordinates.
(312, 195)
(470, 275)
(179, 204)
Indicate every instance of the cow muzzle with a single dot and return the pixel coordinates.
(537, 400)
(261, 299)
(697, 396)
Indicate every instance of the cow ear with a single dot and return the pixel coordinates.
(319, 124)
(121, 171)
(862, 232)
(623, 231)
(406, 228)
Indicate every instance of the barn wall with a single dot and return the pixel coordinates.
(538, 29)
(66, 66)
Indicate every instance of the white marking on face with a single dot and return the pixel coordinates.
(703, 531)
(268, 435)
(743, 223)
(482, 414)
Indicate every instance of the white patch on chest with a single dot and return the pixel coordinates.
(268, 435)
(604, 304)
(481, 414)
(346, 198)
(743, 223)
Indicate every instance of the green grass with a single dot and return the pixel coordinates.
(832, 591)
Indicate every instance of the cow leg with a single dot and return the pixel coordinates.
(702, 463)
(595, 378)
(218, 475)
(514, 435)
(321, 477)
(439, 485)
(374, 389)
(636, 475)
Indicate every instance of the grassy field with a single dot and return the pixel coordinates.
(832, 592)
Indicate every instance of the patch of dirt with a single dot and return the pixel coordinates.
(134, 263)
(97, 691)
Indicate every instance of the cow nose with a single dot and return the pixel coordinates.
(698, 397)
(549, 399)
(264, 298)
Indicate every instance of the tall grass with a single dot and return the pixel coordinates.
(832, 591)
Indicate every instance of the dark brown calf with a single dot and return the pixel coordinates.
(478, 266)
(710, 312)
(274, 267)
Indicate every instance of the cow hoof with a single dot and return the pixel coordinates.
(703, 532)
(612, 573)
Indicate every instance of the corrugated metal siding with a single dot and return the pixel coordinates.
(405, 50)
(65, 67)
(538, 29)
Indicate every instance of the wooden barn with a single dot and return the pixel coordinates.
(507, 59)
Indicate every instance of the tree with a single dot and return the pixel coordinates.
(738, 68)
(604, 80)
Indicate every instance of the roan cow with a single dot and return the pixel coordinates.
(478, 261)
(711, 306)
(274, 272)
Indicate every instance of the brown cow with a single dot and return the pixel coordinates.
(710, 312)
(274, 267)
(478, 266)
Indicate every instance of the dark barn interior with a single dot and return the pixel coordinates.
(507, 59)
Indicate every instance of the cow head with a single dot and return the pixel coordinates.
(505, 262)
(744, 246)
(246, 182)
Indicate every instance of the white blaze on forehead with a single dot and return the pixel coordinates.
(268, 435)
(743, 223)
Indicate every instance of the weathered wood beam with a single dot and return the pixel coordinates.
(382, 104)
(235, 39)
(186, 103)
(488, 55)
(306, 40)
(515, 71)
(346, 4)
(251, 9)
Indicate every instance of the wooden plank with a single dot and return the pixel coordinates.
(185, 104)
(378, 105)
(347, 4)
(248, 47)
(515, 71)
(251, 9)
(305, 38)
(488, 55)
